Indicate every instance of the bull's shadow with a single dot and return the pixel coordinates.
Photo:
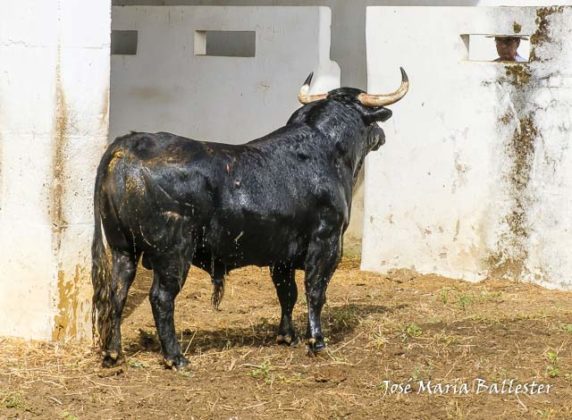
(338, 321)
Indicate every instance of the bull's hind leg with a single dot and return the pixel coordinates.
(284, 281)
(122, 274)
(321, 261)
(169, 275)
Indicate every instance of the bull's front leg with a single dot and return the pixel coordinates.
(322, 259)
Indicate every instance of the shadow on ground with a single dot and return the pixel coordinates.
(338, 322)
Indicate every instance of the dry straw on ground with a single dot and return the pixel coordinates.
(402, 328)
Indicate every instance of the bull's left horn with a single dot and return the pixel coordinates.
(304, 95)
(386, 99)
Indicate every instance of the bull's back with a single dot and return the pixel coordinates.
(241, 204)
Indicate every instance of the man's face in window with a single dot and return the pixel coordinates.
(507, 47)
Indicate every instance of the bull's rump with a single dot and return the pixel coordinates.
(161, 193)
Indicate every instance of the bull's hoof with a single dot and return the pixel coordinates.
(287, 339)
(178, 362)
(315, 346)
(111, 359)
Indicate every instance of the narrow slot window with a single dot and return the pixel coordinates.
(504, 48)
(225, 43)
(123, 42)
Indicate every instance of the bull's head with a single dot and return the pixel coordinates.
(370, 106)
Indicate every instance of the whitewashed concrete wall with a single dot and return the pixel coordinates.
(166, 87)
(475, 179)
(54, 86)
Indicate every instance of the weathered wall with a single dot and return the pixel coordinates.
(474, 180)
(226, 99)
(54, 85)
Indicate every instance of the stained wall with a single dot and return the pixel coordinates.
(475, 179)
(54, 96)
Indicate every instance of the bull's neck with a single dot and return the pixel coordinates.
(348, 143)
(342, 135)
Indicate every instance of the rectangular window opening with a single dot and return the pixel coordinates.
(124, 42)
(483, 47)
(225, 43)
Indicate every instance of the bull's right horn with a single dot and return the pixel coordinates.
(368, 99)
(304, 95)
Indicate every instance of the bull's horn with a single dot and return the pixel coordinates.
(304, 95)
(386, 99)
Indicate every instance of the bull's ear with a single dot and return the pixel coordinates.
(376, 114)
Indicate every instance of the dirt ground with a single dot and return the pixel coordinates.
(385, 332)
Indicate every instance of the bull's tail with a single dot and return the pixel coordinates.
(102, 309)
(218, 291)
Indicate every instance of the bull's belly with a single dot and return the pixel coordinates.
(260, 245)
(234, 241)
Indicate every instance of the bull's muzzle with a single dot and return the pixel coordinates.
(376, 137)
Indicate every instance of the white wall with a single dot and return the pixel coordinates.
(475, 177)
(348, 24)
(54, 85)
(166, 87)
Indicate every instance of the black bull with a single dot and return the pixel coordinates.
(281, 201)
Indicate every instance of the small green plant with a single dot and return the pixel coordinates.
(262, 372)
(444, 296)
(134, 363)
(413, 330)
(552, 356)
(464, 301)
(68, 416)
(545, 414)
(567, 328)
(421, 372)
(552, 369)
(14, 400)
